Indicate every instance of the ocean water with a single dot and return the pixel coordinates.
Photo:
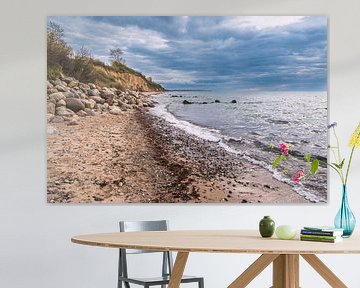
(255, 121)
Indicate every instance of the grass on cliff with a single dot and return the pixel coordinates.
(61, 59)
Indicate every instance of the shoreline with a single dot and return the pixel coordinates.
(136, 157)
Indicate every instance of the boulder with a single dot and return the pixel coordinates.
(51, 91)
(81, 113)
(60, 103)
(49, 85)
(57, 119)
(49, 117)
(56, 97)
(74, 104)
(90, 112)
(57, 82)
(187, 102)
(50, 108)
(62, 111)
(69, 94)
(217, 101)
(233, 101)
(97, 99)
(84, 87)
(93, 92)
(73, 83)
(61, 88)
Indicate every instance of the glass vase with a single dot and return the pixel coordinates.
(345, 219)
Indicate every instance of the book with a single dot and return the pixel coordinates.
(321, 233)
(323, 228)
(325, 240)
(319, 236)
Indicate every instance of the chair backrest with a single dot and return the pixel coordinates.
(134, 226)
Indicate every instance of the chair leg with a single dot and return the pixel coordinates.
(201, 283)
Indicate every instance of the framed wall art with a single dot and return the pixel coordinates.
(185, 109)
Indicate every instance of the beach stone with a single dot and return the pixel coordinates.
(51, 130)
(81, 113)
(187, 102)
(67, 80)
(115, 111)
(60, 88)
(90, 112)
(57, 82)
(233, 101)
(56, 96)
(217, 101)
(62, 111)
(92, 85)
(105, 107)
(97, 99)
(84, 87)
(83, 96)
(49, 117)
(69, 94)
(93, 92)
(51, 91)
(74, 104)
(60, 103)
(73, 83)
(50, 108)
(57, 119)
(49, 85)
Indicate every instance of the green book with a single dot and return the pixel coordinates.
(319, 236)
(325, 240)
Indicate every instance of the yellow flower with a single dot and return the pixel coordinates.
(355, 138)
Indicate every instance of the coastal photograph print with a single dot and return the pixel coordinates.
(185, 109)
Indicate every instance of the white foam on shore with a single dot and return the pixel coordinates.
(201, 132)
(213, 135)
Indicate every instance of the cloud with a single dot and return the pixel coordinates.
(260, 22)
(242, 52)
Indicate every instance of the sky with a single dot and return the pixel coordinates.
(256, 53)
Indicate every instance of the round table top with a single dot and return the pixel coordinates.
(217, 241)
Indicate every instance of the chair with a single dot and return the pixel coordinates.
(167, 262)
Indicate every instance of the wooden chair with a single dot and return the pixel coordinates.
(167, 262)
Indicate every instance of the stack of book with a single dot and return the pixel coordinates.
(321, 234)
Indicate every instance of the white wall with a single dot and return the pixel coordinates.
(35, 248)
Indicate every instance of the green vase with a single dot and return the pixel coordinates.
(267, 227)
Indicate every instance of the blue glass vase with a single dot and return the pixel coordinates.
(345, 219)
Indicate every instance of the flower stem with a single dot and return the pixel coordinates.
(351, 156)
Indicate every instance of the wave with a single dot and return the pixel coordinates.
(213, 135)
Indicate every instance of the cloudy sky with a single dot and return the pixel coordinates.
(287, 53)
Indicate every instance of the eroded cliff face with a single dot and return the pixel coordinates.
(130, 81)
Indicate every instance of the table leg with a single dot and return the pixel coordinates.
(253, 270)
(178, 269)
(324, 271)
(286, 271)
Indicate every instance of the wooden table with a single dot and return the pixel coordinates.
(284, 254)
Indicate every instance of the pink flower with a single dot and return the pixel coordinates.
(300, 174)
(284, 149)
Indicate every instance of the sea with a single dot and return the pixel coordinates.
(247, 123)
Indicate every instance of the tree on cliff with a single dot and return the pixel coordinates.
(58, 51)
(116, 56)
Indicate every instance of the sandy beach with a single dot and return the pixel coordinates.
(136, 157)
